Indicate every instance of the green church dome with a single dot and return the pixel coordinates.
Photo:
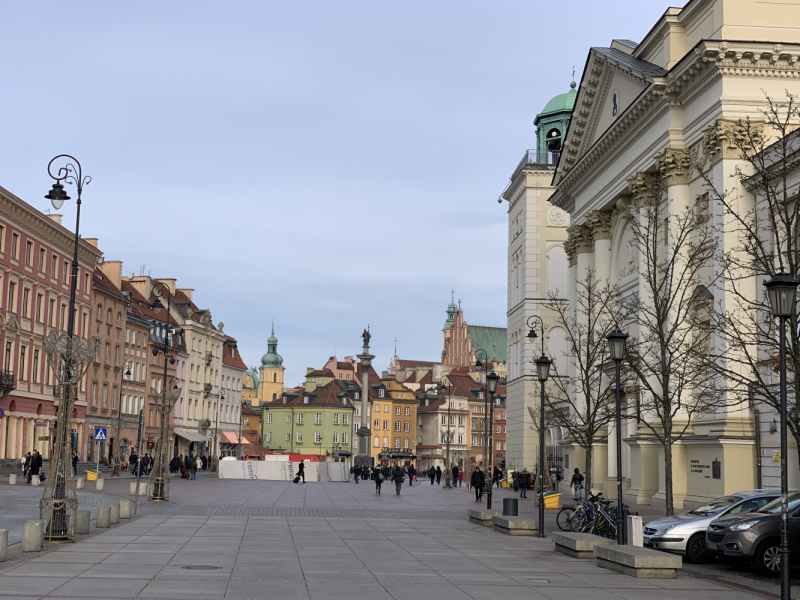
(272, 360)
(562, 102)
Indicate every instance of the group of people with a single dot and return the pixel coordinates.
(188, 466)
(134, 462)
(32, 465)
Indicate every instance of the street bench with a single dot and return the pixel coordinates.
(638, 562)
(482, 517)
(578, 545)
(515, 525)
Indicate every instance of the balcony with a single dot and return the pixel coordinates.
(533, 159)
(7, 383)
(209, 358)
(207, 389)
(205, 423)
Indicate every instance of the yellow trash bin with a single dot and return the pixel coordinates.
(552, 499)
(92, 475)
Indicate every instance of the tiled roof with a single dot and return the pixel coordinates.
(326, 395)
(426, 379)
(493, 340)
(249, 410)
(227, 355)
(463, 385)
(141, 306)
(344, 366)
(321, 373)
(100, 280)
(410, 364)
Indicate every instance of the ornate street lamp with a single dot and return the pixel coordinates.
(616, 346)
(782, 293)
(161, 334)
(491, 384)
(542, 370)
(69, 357)
(447, 468)
(116, 467)
(215, 456)
(482, 361)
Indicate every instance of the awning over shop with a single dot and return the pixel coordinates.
(233, 438)
(397, 454)
(192, 436)
(344, 453)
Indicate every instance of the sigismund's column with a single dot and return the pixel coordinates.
(364, 433)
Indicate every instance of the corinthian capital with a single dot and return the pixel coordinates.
(675, 165)
(599, 221)
(643, 187)
(580, 237)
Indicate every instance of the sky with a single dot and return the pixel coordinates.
(331, 164)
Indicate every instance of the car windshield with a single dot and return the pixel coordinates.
(715, 506)
(774, 507)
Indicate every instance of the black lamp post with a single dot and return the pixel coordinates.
(782, 290)
(542, 370)
(482, 361)
(116, 467)
(491, 383)
(616, 346)
(448, 481)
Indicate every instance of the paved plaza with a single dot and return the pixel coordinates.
(276, 540)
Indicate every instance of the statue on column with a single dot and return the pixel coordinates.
(366, 337)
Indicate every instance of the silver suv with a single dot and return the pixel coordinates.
(685, 534)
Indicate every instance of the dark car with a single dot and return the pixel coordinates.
(754, 538)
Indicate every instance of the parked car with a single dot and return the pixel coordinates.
(755, 537)
(685, 534)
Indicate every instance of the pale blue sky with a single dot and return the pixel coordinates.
(329, 163)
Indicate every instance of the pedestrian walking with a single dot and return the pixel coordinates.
(357, 473)
(191, 466)
(515, 480)
(74, 463)
(432, 474)
(198, 464)
(26, 465)
(438, 475)
(576, 484)
(524, 480)
(477, 482)
(412, 474)
(132, 462)
(461, 479)
(35, 465)
(399, 478)
(204, 462)
(498, 474)
(301, 472)
(377, 475)
(455, 475)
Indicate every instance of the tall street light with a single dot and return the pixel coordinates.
(70, 357)
(447, 472)
(542, 371)
(482, 361)
(782, 290)
(616, 345)
(116, 468)
(491, 383)
(162, 334)
(215, 456)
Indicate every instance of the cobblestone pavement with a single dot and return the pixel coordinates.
(326, 541)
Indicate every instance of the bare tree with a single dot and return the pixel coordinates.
(582, 401)
(762, 222)
(672, 325)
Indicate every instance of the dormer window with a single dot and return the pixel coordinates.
(305, 399)
(480, 395)
(285, 400)
(380, 393)
(356, 395)
(344, 401)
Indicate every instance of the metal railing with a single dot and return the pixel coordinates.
(535, 159)
(7, 381)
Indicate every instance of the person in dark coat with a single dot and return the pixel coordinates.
(357, 472)
(524, 483)
(412, 472)
(477, 481)
(438, 475)
(36, 465)
(398, 476)
(432, 474)
(204, 460)
(455, 475)
(74, 463)
(377, 475)
(301, 471)
(498, 475)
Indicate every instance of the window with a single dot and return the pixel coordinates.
(377, 424)
(336, 438)
(461, 440)
(405, 443)
(380, 393)
(65, 275)
(99, 316)
(452, 420)
(9, 348)
(385, 442)
(386, 408)
(93, 401)
(376, 442)
(480, 395)
(105, 395)
(318, 419)
(86, 283)
(305, 399)
(288, 418)
(397, 425)
(54, 267)
(108, 317)
(42, 256)
(119, 319)
(358, 411)
(397, 443)
(22, 352)
(269, 417)
(345, 419)
(15, 246)
(12, 296)
(299, 418)
(107, 352)
(444, 439)
(406, 426)
(38, 312)
(444, 419)
(461, 420)
(499, 446)
(116, 356)
(498, 429)
(2, 239)
(344, 437)
(386, 425)
(355, 427)
(63, 319)
(317, 437)
(335, 418)
(299, 437)
(474, 441)
(25, 296)
(357, 395)
(407, 411)
(397, 410)
(35, 367)
(269, 436)
(29, 254)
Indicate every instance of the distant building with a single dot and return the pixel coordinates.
(462, 341)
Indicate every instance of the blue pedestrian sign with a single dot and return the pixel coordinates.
(2, 413)
(100, 434)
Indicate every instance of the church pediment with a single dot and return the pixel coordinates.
(611, 83)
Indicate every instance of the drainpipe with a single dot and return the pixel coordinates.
(757, 425)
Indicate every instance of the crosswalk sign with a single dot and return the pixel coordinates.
(100, 434)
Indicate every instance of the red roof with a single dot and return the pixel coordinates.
(410, 364)
(321, 373)
(228, 357)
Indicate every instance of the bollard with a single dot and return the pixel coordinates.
(143, 488)
(12, 479)
(98, 485)
(32, 534)
(114, 516)
(103, 517)
(3, 545)
(82, 521)
(510, 507)
(635, 531)
(35, 480)
(79, 483)
(133, 488)
(125, 509)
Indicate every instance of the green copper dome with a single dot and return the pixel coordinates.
(272, 359)
(562, 102)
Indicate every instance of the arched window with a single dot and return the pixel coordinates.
(119, 319)
(99, 312)
(275, 378)
(108, 316)
(274, 397)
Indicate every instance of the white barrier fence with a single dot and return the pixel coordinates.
(283, 470)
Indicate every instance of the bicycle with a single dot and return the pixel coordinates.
(565, 515)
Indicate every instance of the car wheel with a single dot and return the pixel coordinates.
(696, 549)
(768, 558)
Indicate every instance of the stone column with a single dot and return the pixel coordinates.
(30, 442)
(364, 432)
(20, 437)
(11, 443)
(3, 429)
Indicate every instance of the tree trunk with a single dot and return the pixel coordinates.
(668, 473)
(587, 484)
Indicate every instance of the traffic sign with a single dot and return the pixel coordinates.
(100, 434)
(2, 413)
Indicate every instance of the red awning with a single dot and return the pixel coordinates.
(233, 438)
